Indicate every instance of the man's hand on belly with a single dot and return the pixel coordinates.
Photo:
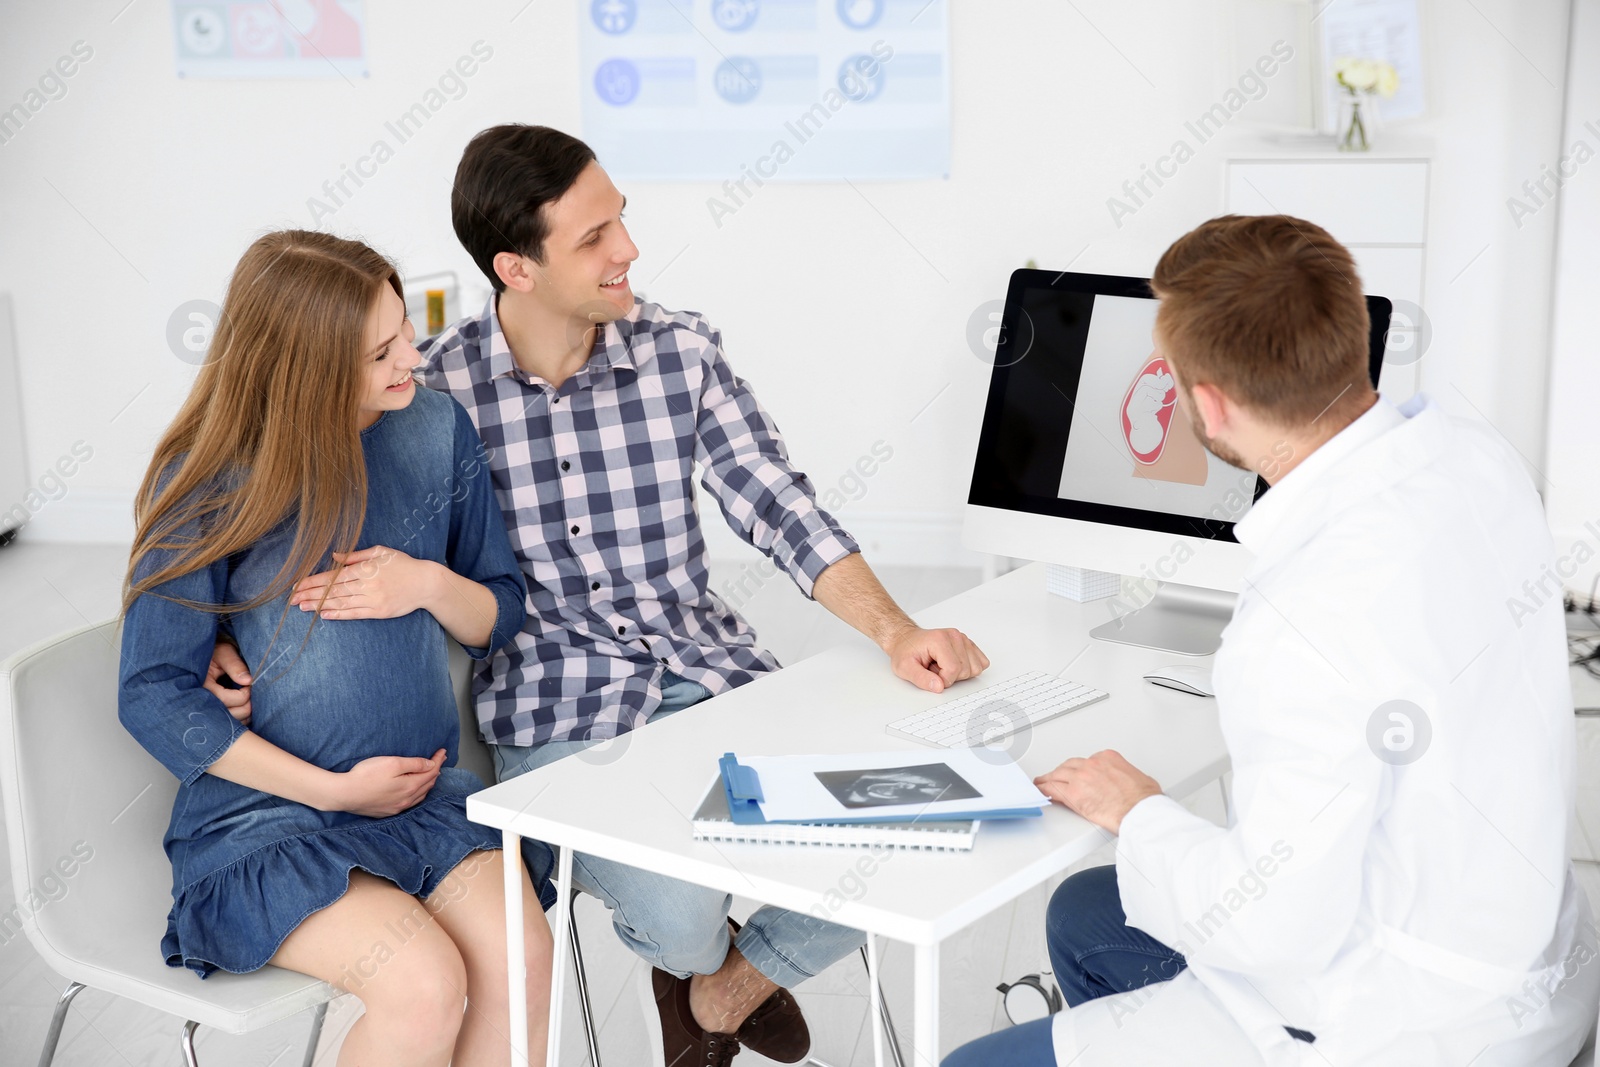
(226, 661)
(374, 583)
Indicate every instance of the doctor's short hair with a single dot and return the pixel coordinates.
(505, 178)
(1268, 309)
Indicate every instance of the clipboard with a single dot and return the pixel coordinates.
(742, 785)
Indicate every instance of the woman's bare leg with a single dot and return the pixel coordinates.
(470, 905)
(382, 945)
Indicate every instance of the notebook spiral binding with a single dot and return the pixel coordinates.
(963, 845)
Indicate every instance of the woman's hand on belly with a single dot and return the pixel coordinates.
(380, 786)
(373, 583)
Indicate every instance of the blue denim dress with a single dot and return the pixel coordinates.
(248, 866)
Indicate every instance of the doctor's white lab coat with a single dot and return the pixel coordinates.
(1394, 694)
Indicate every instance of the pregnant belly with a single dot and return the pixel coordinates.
(349, 697)
(336, 739)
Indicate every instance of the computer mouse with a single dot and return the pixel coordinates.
(1184, 677)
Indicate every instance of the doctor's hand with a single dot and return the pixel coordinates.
(225, 660)
(935, 659)
(375, 583)
(1102, 788)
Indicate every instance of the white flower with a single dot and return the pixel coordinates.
(1388, 80)
(1358, 74)
(1366, 75)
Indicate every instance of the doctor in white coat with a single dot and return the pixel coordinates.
(1393, 886)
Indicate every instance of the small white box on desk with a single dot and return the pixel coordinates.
(1080, 583)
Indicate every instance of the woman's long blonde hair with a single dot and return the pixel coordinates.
(269, 430)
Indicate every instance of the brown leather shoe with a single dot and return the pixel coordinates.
(776, 1029)
(683, 1041)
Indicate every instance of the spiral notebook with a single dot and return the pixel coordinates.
(711, 823)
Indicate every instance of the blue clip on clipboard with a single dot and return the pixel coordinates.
(743, 788)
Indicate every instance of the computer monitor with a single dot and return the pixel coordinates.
(1086, 458)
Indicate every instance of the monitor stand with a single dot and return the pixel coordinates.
(1185, 619)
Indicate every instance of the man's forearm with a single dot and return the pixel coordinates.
(929, 659)
(850, 590)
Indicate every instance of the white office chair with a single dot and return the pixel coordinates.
(72, 777)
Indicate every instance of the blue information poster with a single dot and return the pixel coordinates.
(767, 90)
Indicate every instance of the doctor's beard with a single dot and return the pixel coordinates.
(1221, 451)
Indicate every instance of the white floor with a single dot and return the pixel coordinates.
(48, 588)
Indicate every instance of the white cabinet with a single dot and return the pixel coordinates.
(1360, 202)
(13, 463)
(1377, 207)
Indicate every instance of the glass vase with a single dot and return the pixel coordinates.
(1357, 119)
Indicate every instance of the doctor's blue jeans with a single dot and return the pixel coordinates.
(1094, 953)
(677, 926)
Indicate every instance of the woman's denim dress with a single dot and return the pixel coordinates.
(248, 866)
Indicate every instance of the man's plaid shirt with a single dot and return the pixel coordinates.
(594, 479)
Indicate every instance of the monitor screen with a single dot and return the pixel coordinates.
(1083, 419)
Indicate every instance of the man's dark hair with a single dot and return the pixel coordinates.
(506, 176)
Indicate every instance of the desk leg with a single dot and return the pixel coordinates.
(874, 1001)
(561, 927)
(926, 969)
(516, 959)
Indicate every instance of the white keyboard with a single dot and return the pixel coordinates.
(992, 714)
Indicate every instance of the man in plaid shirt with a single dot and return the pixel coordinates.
(596, 408)
(596, 476)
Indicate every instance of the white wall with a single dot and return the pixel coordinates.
(1574, 497)
(1495, 102)
(848, 311)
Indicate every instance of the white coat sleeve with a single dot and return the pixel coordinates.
(1280, 889)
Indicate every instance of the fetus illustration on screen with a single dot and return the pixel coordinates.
(1156, 431)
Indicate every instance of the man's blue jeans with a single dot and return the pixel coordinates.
(677, 926)
(1094, 953)
(1093, 949)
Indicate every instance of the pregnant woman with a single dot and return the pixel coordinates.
(338, 523)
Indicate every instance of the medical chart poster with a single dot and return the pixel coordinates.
(270, 39)
(752, 91)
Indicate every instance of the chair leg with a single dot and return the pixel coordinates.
(883, 1009)
(52, 1036)
(583, 986)
(316, 1034)
(188, 1044)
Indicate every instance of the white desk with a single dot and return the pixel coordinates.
(636, 808)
